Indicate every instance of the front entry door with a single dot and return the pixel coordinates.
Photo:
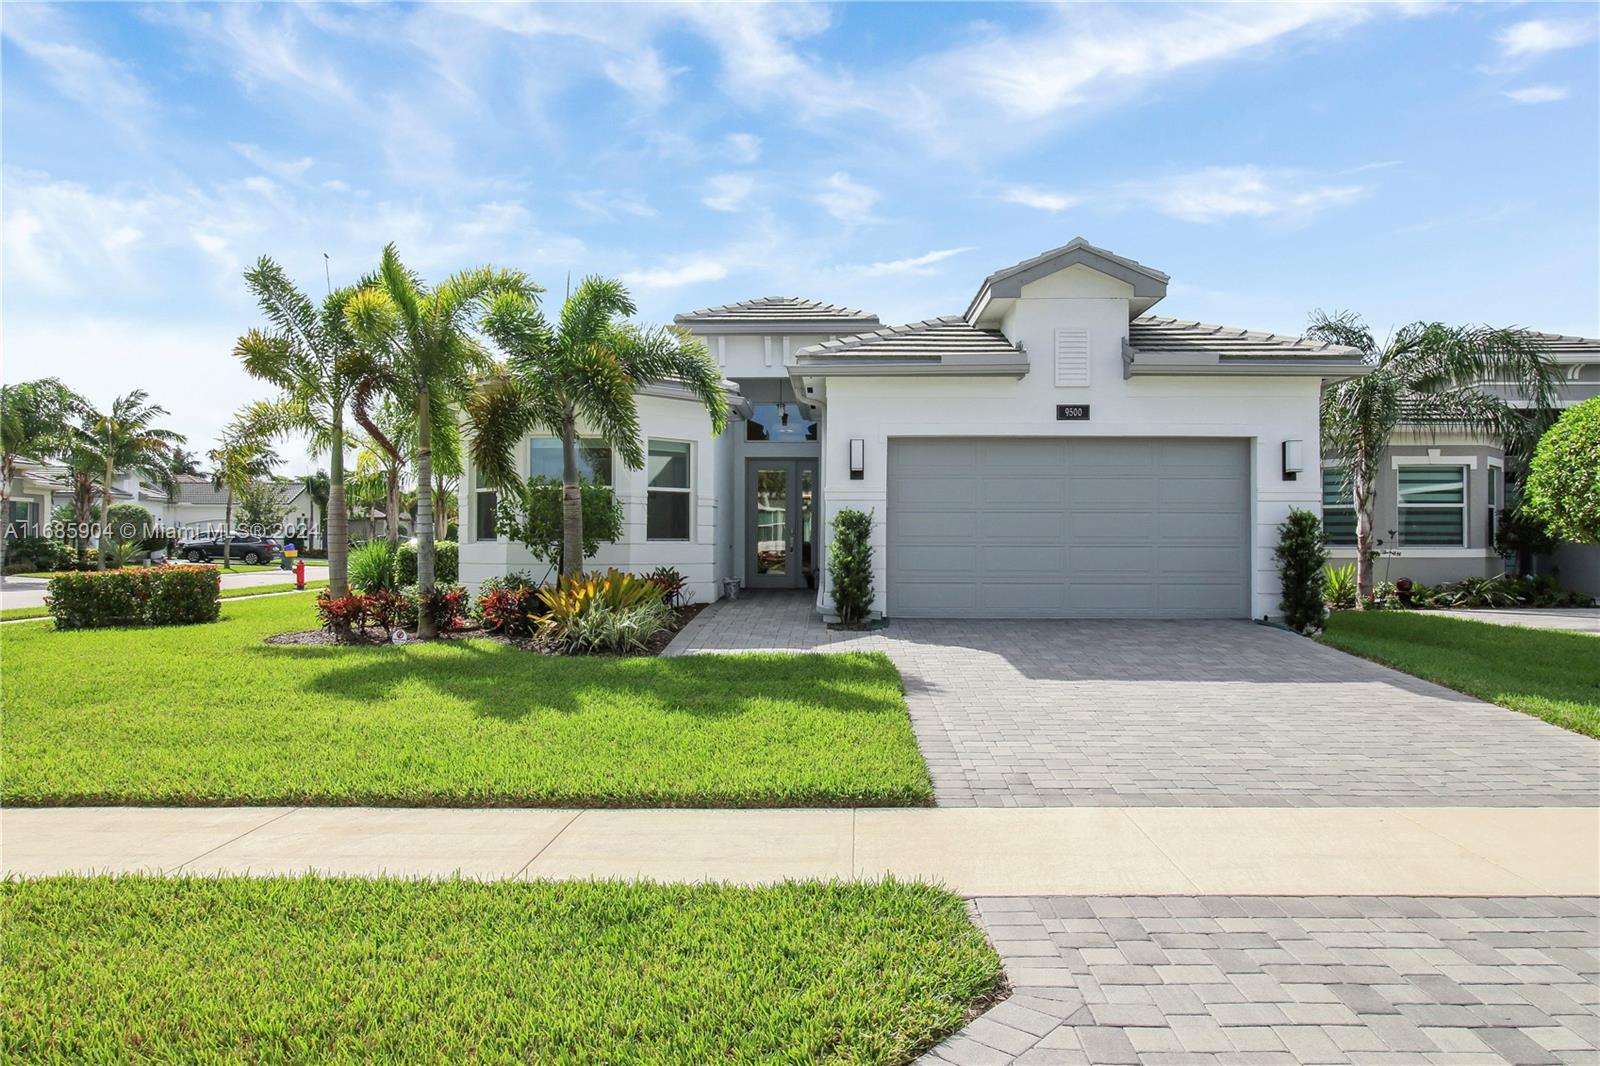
(781, 530)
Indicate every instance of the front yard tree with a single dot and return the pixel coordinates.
(125, 440)
(423, 338)
(1563, 486)
(34, 419)
(1432, 374)
(315, 360)
(239, 459)
(586, 368)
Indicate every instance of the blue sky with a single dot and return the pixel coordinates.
(1407, 161)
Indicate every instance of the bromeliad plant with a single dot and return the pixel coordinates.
(609, 612)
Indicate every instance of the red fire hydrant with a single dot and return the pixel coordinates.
(300, 574)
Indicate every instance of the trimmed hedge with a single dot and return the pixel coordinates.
(135, 596)
(446, 563)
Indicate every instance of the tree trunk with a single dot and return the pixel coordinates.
(105, 517)
(571, 498)
(392, 504)
(337, 514)
(227, 533)
(1361, 491)
(5, 509)
(425, 627)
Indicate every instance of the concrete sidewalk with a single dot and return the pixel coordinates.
(1434, 851)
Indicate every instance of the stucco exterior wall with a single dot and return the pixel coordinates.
(697, 558)
(1263, 410)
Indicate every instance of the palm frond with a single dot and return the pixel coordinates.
(499, 413)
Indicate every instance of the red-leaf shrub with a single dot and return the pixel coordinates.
(388, 610)
(509, 610)
(135, 596)
(343, 615)
(445, 607)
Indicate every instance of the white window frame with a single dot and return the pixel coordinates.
(478, 490)
(1464, 507)
(1497, 498)
(687, 490)
(610, 454)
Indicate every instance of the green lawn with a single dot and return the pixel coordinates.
(310, 970)
(1545, 673)
(226, 594)
(210, 715)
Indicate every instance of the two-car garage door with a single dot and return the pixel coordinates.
(1083, 528)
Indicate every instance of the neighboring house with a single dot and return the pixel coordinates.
(36, 491)
(1440, 492)
(377, 529)
(202, 507)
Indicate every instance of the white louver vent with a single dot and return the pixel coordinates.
(1072, 358)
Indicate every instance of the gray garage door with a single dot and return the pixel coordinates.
(1068, 529)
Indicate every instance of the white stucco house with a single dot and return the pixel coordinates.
(1056, 450)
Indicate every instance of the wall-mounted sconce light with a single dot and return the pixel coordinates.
(858, 459)
(1293, 462)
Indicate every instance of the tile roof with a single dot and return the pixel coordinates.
(777, 309)
(1154, 336)
(933, 338)
(1570, 349)
(197, 489)
(1076, 244)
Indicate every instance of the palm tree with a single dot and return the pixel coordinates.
(240, 457)
(34, 421)
(423, 339)
(1431, 374)
(312, 356)
(318, 487)
(184, 462)
(587, 368)
(83, 479)
(125, 439)
(389, 448)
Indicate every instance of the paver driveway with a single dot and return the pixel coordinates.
(1024, 713)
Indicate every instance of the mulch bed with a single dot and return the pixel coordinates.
(370, 637)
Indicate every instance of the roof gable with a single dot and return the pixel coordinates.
(1149, 284)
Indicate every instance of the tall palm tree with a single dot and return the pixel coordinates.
(125, 439)
(315, 360)
(34, 420)
(240, 457)
(586, 369)
(423, 337)
(1431, 374)
(184, 462)
(390, 447)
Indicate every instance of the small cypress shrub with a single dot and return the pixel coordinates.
(446, 563)
(1302, 554)
(850, 566)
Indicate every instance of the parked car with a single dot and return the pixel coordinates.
(246, 548)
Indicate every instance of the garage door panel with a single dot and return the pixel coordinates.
(1068, 528)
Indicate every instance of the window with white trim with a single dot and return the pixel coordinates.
(484, 501)
(1493, 492)
(1433, 506)
(1338, 508)
(594, 459)
(669, 503)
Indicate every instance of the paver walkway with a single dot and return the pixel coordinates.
(1229, 714)
(1228, 981)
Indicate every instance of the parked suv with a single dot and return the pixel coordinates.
(246, 548)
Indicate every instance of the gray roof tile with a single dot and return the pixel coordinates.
(931, 338)
(1155, 336)
(777, 309)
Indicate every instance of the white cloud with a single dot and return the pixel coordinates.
(742, 148)
(728, 192)
(677, 274)
(335, 185)
(1538, 94)
(287, 169)
(1537, 36)
(643, 75)
(1214, 194)
(847, 200)
(73, 68)
(921, 264)
(609, 205)
(1042, 199)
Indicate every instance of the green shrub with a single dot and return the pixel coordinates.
(446, 563)
(1339, 586)
(535, 520)
(29, 554)
(850, 566)
(1302, 554)
(1563, 485)
(372, 567)
(144, 596)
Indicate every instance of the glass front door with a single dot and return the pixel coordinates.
(780, 536)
